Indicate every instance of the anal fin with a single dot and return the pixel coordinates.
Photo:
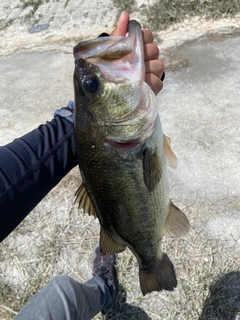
(84, 201)
(108, 246)
(177, 224)
(162, 277)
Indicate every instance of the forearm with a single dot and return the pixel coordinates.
(30, 167)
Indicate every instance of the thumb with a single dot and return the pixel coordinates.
(122, 26)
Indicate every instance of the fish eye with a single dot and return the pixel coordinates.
(91, 84)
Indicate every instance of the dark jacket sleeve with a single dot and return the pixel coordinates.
(30, 167)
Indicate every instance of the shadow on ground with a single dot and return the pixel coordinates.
(125, 311)
(223, 301)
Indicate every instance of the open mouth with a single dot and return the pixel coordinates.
(123, 146)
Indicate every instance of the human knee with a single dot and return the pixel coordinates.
(61, 281)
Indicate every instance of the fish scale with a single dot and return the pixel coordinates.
(139, 209)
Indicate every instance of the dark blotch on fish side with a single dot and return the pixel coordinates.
(38, 28)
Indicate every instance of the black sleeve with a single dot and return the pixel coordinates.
(30, 167)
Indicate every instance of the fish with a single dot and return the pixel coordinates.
(123, 155)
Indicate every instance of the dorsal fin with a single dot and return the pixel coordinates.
(177, 224)
(152, 169)
(84, 201)
(108, 246)
(169, 154)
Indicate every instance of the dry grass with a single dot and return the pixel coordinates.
(58, 239)
(162, 14)
(159, 15)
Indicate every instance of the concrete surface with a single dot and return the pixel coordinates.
(200, 110)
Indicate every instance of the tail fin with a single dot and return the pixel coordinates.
(163, 277)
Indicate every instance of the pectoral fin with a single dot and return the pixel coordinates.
(107, 245)
(170, 156)
(177, 224)
(152, 169)
(84, 201)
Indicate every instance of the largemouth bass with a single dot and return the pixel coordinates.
(122, 155)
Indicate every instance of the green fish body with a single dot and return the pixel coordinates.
(122, 155)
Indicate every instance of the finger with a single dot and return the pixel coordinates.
(121, 28)
(154, 82)
(151, 51)
(147, 36)
(155, 67)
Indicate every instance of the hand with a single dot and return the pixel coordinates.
(153, 66)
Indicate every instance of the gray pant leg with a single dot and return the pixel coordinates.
(66, 299)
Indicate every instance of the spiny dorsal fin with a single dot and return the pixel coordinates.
(84, 202)
(177, 224)
(152, 169)
(169, 154)
(107, 245)
(162, 277)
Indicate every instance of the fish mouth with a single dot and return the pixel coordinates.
(107, 48)
(121, 145)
